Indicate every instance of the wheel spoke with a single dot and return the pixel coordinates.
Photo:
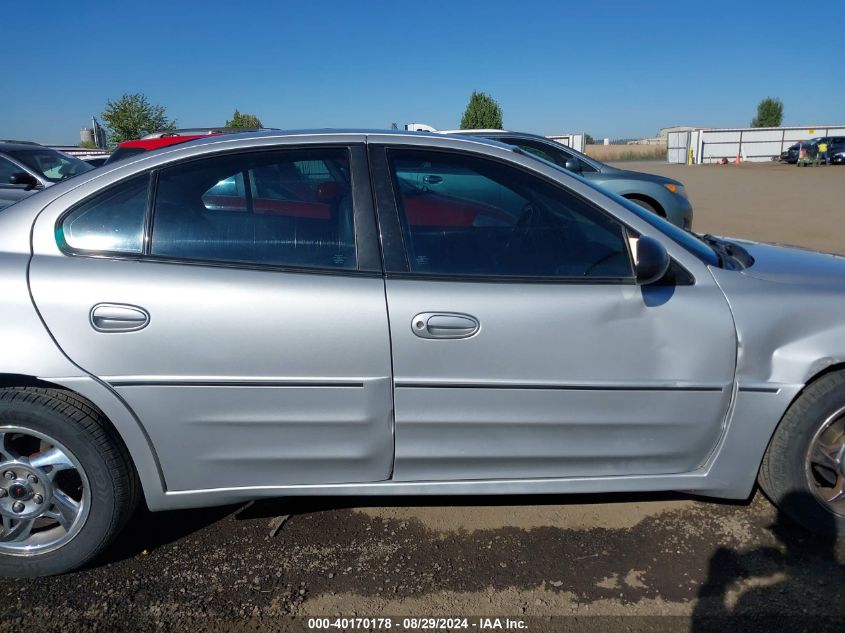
(16, 530)
(64, 509)
(826, 455)
(837, 493)
(54, 459)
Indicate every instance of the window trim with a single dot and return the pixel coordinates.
(368, 256)
(397, 267)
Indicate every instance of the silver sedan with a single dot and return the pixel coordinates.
(373, 313)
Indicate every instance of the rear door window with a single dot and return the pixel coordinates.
(278, 208)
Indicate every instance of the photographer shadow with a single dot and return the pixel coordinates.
(799, 586)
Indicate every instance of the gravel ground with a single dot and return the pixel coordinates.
(619, 562)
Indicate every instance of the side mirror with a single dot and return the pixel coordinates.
(23, 178)
(573, 164)
(652, 261)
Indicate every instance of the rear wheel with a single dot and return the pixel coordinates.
(66, 485)
(803, 470)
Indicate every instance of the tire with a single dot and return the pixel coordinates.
(96, 461)
(785, 476)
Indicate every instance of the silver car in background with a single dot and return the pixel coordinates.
(377, 313)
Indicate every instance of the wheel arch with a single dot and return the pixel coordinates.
(123, 424)
(648, 200)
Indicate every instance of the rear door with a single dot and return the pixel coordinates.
(522, 347)
(236, 303)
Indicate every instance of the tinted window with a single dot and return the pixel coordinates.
(290, 208)
(112, 221)
(7, 168)
(469, 216)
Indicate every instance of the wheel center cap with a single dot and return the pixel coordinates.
(20, 491)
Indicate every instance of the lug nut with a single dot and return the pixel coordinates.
(3, 492)
(10, 474)
(18, 507)
(32, 479)
(37, 498)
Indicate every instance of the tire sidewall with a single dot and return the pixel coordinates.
(793, 494)
(95, 531)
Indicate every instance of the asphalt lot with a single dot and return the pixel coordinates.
(671, 561)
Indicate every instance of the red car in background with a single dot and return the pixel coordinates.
(157, 140)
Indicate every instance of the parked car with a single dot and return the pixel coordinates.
(664, 196)
(354, 313)
(157, 140)
(836, 148)
(96, 161)
(835, 144)
(29, 167)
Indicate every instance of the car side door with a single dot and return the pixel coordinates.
(522, 346)
(245, 326)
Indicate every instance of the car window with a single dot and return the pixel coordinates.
(7, 168)
(554, 153)
(52, 165)
(283, 208)
(469, 216)
(111, 221)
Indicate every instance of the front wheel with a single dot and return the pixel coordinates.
(803, 470)
(66, 485)
(648, 206)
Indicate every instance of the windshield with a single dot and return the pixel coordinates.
(50, 164)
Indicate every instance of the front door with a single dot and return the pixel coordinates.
(522, 348)
(249, 332)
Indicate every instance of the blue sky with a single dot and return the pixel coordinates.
(610, 68)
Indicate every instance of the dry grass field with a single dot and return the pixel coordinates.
(626, 152)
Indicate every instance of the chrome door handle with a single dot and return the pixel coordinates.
(444, 325)
(118, 317)
(432, 180)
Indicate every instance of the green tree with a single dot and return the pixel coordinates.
(242, 119)
(769, 113)
(132, 116)
(482, 113)
(88, 145)
(589, 140)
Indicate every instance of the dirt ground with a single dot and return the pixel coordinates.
(592, 563)
(769, 202)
